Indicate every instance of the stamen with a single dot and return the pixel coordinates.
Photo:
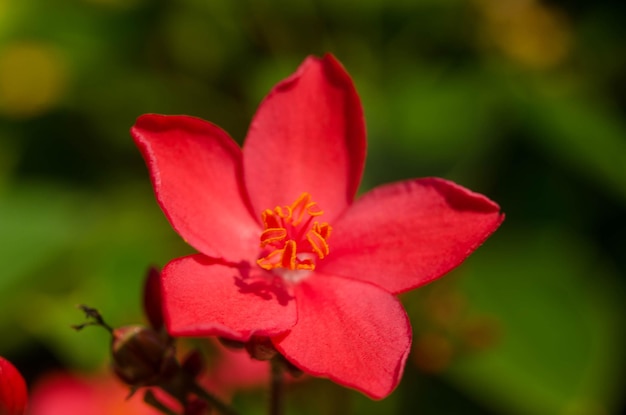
(283, 212)
(289, 255)
(271, 261)
(272, 235)
(270, 220)
(290, 240)
(298, 208)
(318, 244)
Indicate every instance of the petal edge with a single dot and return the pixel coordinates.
(196, 172)
(403, 235)
(354, 333)
(308, 135)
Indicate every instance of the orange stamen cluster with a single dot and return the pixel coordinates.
(292, 237)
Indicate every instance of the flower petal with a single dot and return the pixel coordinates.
(13, 393)
(404, 235)
(196, 172)
(308, 135)
(205, 297)
(355, 333)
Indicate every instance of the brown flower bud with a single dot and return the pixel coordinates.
(152, 303)
(193, 363)
(141, 356)
(261, 348)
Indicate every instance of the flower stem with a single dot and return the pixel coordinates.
(212, 400)
(276, 386)
(152, 400)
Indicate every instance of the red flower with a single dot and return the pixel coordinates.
(286, 251)
(71, 394)
(232, 371)
(13, 393)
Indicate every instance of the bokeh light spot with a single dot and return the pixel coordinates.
(33, 78)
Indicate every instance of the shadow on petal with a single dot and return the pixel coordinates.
(208, 296)
(263, 284)
(251, 280)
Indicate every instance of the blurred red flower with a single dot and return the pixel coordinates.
(285, 250)
(13, 392)
(71, 394)
(234, 370)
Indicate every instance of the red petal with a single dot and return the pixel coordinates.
(13, 393)
(404, 235)
(196, 173)
(352, 332)
(308, 135)
(203, 297)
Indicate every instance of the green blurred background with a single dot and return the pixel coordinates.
(522, 100)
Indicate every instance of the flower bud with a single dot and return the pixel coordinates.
(141, 356)
(261, 348)
(152, 303)
(193, 364)
(13, 393)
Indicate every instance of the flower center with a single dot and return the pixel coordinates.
(291, 238)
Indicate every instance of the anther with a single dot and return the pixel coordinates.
(289, 240)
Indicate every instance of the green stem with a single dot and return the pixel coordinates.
(277, 386)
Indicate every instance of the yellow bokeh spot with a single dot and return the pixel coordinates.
(4, 6)
(33, 77)
(526, 31)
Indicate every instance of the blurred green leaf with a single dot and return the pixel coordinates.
(31, 235)
(38, 223)
(559, 315)
(425, 118)
(81, 250)
(587, 135)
